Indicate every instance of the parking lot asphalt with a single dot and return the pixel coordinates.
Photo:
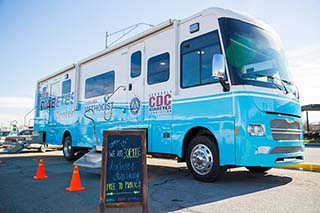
(171, 188)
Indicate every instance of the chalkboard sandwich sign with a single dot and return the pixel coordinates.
(124, 170)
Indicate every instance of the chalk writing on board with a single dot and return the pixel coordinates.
(124, 170)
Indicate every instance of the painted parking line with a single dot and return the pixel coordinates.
(161, 164)
(154, 175)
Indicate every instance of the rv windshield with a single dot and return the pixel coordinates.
(254, 56)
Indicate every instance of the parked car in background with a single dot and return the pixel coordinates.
(27, 139)
(21, 136)
(3, 135)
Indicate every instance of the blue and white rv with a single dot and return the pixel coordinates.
(212, 90)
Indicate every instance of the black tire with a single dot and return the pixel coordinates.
(68, 150)
(43, 148)
(203, 159)
(258, 169)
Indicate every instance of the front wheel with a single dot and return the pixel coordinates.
(258, 169)
(203, 159)
(68, 150)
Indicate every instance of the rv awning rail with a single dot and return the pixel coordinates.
(134, 39)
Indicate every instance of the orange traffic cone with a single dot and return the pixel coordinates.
(75, 184)
(40, 173)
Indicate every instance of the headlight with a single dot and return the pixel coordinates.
(256, 130)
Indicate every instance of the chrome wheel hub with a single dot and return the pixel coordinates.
(201, 159)
(66, 149)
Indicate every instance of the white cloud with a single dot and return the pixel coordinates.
(16, 102)
(304, 65)
(7, 118)
(14, 108)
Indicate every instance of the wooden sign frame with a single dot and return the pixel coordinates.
(103, 180)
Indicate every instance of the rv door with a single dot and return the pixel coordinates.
(136, 82)
(54, 93)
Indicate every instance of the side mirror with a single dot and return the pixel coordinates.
(218, 66)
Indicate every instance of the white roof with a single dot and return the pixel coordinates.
(219, 12)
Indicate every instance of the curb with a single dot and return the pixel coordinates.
(303, 166)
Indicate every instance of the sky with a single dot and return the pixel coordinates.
(40, 37)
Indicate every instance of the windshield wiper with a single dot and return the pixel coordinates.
(295, 92)
(274, 78)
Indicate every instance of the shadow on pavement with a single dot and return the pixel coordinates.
(175, 189)
(169, 189)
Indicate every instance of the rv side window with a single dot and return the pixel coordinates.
(158, 68)
(196, 59)
(135, 69)
(66, 87)
(100, 85)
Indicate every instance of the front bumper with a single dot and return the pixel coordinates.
(266, 152)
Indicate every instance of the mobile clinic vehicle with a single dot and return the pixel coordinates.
(212, 90)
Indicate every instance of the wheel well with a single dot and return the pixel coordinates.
(192, 133)
(65, 134)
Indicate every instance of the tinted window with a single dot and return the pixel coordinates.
(254, 56)
(25, 132)
(191, 69)
(135, 69)
(158, 68)
(196, 59)
(99, 85)
(44, 91)
(4, 133)
(66, 87)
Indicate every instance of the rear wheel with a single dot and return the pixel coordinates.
(203, 159)
(68, 150)
(43, 147)
(258, 169)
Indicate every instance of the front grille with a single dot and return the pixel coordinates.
(286, 149)
(283, 129)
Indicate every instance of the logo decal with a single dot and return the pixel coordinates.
(160, 103)
(135, 106)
